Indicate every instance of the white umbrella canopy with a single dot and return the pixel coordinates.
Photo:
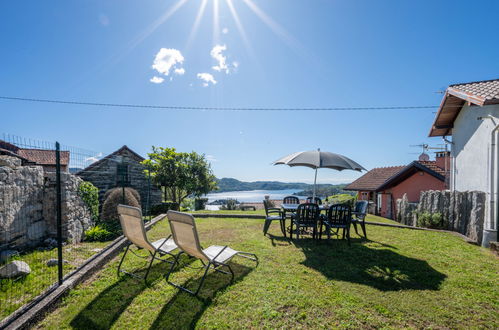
(319, 159)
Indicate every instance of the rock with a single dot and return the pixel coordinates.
(50, 242)
(14, 269)
(55, 262)
(97, 250)
(9, 161)
(7, 254)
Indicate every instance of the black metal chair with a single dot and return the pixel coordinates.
(291, 200)
(273, 214)
(315, 200)
(359, 216)
(339, 216)
(306, 216)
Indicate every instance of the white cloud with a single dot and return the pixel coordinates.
(216, 53)
(104, 20)
(93, 159)
(225, 30)
(207, 78)
(167, 59)
(156, 80)
(211, 158)
(180, 71)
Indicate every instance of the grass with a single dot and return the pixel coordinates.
(398, 278)
(15, 293)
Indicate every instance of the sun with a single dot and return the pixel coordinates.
(277, 29)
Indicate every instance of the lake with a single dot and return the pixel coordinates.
(252, 196)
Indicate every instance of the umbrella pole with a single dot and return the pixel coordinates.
(315, 181)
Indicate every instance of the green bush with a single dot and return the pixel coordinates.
(200, 203)
(90, 196)
(342, 199)
(110, 206)
(98, 233)
(187, 204)
(230, 205)
(163, 208)
(431, 220)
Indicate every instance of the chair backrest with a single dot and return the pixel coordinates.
(315, 200)
(266, 206)
(339, 214)
(185, 234)
(133, 226)
(361, 208)
(291, 200)
(307, 213)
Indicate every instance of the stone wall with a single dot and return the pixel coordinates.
(27, 205)
(103, 175)
(463, 212)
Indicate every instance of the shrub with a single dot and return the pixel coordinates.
(200, 203)
(133, 191)
(342, 199)
(187, 204)
(110, 206)
(163, 208)
(430, 220)
(230, 205)
(98, 233)
(90, 196)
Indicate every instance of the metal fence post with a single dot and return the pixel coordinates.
(58, 210)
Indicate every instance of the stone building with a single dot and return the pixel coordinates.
(28, 205)
(29, 156)
(121, 167)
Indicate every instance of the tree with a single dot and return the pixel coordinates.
(180, 174)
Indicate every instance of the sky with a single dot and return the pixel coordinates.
(242, 53)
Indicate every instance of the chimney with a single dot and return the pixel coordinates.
(443, 160)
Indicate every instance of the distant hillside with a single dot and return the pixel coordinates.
(230, 184)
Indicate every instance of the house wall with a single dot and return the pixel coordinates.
(104, 176)
(412, 186)
(471, 166)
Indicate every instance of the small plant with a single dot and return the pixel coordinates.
(430, 220)
(231, 205)
(187, 204)
(436, 220)
(98, 233)
(90, 196)
(200, 203)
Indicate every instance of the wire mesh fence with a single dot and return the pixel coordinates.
(46, 220)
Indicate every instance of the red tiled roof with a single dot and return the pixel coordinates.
(456, 96)
(432, 165)
(43, 157)
(374, 178)
(487, 90)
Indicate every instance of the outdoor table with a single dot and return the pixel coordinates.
(293, 207)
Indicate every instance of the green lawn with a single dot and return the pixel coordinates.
(398, 278)
(15, 293)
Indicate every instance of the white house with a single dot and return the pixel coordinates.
(469, 112)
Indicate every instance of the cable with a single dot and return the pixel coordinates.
(166, 107)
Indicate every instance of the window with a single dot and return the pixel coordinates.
(122, 177)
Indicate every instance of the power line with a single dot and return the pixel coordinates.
(172, 107)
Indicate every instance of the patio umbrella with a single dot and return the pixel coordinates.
(319, 159)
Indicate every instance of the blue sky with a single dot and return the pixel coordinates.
(293, 53)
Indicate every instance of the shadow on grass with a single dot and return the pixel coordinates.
(380, 268)
(106, 308)
(184, 310)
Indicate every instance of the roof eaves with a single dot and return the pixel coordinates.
(415, 164)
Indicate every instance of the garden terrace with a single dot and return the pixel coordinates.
(397, 278)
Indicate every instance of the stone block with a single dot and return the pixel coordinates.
(14, 269)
